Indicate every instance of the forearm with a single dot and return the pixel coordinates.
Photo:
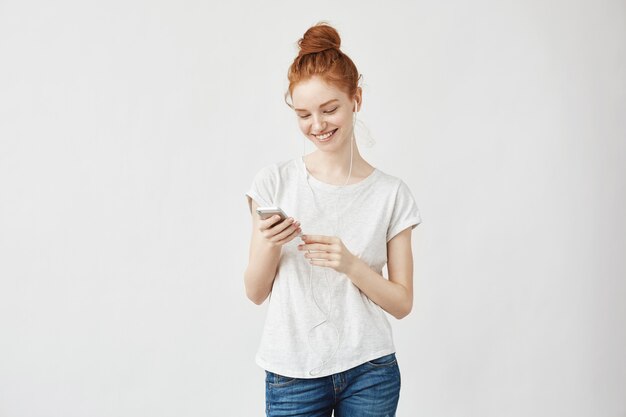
(259, 276)
(390, 296)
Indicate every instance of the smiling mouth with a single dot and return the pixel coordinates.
(326, 136)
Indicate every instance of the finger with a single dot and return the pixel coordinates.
(267, 223)
(314, 246)
(291, 228)
(323, 255)
(290, 237)
(280, 226)
(320, 262)
(318, 239)
(317, 255)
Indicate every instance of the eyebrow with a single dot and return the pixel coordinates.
(321, 105)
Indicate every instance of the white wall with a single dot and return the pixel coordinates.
(130, 130)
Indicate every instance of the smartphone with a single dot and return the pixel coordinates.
(267, 212)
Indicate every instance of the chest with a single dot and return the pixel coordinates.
(359, 218)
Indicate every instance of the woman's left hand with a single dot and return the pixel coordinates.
(332, 252)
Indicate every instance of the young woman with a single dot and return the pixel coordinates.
(327, 344)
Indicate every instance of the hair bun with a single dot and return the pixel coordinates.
(319, 38)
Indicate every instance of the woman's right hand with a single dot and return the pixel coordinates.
(277, 233)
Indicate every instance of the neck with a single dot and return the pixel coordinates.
(335, 164)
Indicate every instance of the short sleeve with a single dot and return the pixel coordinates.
(405, 212)
(262, 188)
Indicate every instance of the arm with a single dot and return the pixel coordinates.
(268, 238)
(262, 262)
(395, 295)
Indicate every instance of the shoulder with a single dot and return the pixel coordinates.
(280, 166)
(389, 182)
(394, 189)
(276, 172)
(266, 170)
(286, 167)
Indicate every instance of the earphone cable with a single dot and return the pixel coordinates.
(328, 314)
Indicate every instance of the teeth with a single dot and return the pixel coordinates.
(325, 136)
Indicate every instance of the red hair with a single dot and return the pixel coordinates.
(320, 55)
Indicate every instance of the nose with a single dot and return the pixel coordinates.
(318, 124)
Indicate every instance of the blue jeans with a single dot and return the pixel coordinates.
(371, 389)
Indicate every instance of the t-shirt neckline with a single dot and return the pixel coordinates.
(332, 187)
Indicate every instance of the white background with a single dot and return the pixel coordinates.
(130, 131)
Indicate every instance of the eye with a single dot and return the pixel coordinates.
(326, 112)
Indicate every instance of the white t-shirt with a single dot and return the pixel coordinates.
(371, 212)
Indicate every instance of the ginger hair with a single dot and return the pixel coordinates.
(320, 55)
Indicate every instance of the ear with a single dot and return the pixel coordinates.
(358, 99)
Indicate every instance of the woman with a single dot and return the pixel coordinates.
(327, 344)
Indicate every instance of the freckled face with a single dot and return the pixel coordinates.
(324, 112)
